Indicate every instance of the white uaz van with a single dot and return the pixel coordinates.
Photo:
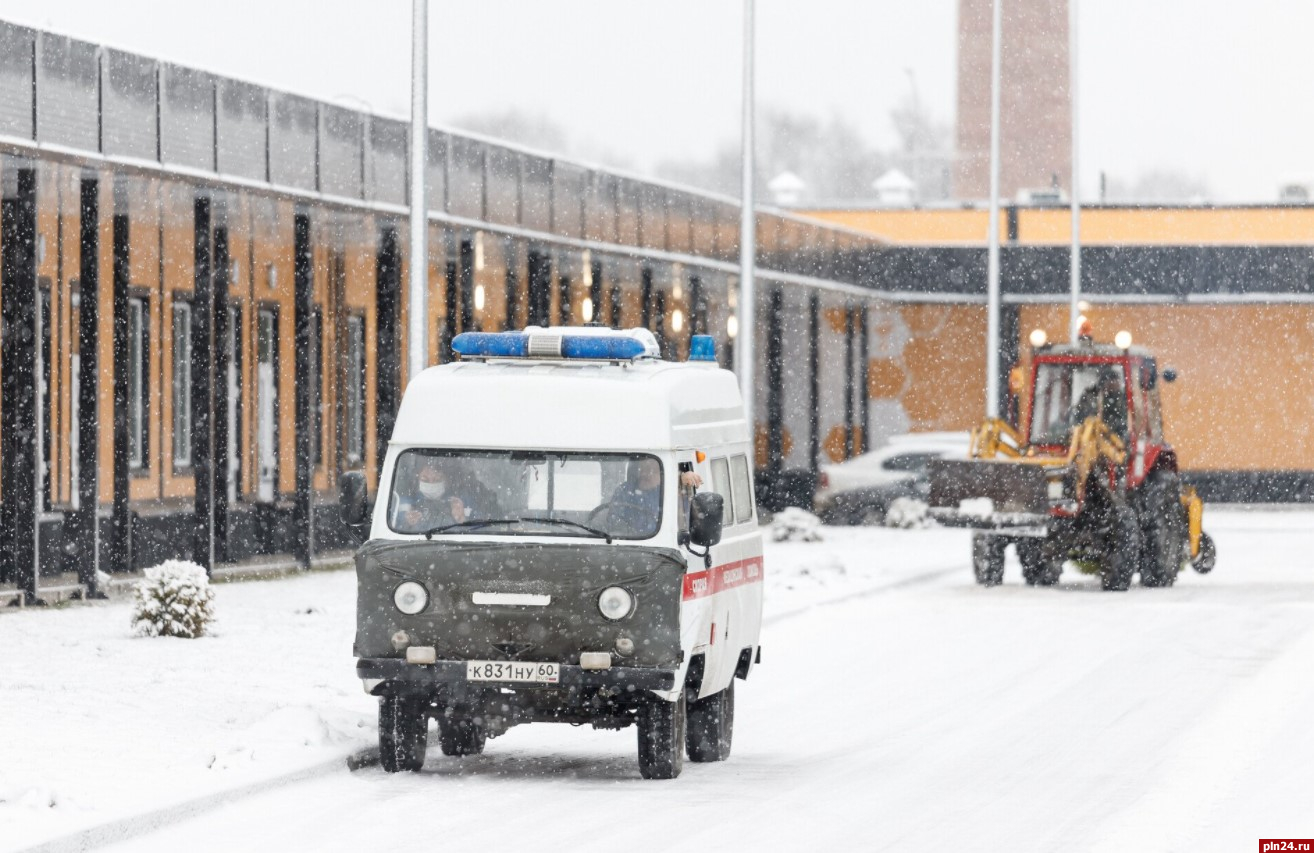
(541, 550)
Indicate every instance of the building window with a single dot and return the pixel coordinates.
(139, 358)
(355, 390)
(182, 384)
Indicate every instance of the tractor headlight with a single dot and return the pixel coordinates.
(1056, 490)
(410, 598)
(615, 603)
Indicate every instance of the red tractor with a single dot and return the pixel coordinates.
(1086, 476)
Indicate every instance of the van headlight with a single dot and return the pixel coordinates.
(615, 603)
(410, 598)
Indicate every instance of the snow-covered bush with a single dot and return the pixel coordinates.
(907, 513)
(793, 524)
(174, 600)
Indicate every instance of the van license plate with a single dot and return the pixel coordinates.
(520, 671)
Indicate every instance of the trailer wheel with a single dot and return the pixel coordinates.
(403, 733)
(1122, 552)
(711, 726)
(661, 738)
(1041, 566)
(460, 737)
(1164, 527)
(988, 558)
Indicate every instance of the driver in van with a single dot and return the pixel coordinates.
(441, 496)
(636, 504)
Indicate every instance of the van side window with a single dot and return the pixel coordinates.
(721, 480)
(743, 496)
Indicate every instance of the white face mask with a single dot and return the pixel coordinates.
(432, 491)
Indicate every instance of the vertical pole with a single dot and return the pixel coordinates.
(418, 279)
(89, 388)
(20, 496)
(303, 284)
(747, 305)
(1075, 297)
(992, 256)
(202, 394)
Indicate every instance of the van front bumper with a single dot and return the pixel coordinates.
(398, 671)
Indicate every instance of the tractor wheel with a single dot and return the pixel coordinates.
(403, 733)
(1122, 550)
(1041, 566)
(988, 558)
(1163, 525)
(1204, 561)
(460, 737)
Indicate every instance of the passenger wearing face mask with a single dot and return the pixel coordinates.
(440, 497)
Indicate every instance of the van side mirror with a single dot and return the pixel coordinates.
(1169, 374)
(706, 512)
(352, 499)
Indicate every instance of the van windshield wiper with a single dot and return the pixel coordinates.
(601, 534)
(471, 524)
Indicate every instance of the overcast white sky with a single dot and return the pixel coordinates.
(1212, 88)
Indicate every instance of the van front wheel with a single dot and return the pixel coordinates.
(403, 733)
(711, 726)
(661, 738)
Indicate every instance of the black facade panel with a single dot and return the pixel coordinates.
(465, 178)
(16, 46)
(536, 193)
(567, 199)
(67, 92)
(128, 98)
(436, 157)
(187, 117)
(1159, 272)
(502, 186)
(388, 161)
(341, 154)
(242, 130)
(292, 123)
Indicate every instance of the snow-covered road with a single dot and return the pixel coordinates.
(898, 707)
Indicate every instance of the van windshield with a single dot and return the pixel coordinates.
(526, 493)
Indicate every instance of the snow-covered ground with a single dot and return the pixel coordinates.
(898, 706)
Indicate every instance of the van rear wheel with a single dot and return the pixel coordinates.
(403, 733)
(661, 738)
(711, 726)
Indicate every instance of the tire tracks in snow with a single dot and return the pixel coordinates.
(919, 579)
(127, 828)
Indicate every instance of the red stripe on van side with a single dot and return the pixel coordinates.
(722, 577)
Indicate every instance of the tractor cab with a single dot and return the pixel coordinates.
(1065, 385)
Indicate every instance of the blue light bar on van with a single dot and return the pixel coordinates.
(702, 348)
(546, 345)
